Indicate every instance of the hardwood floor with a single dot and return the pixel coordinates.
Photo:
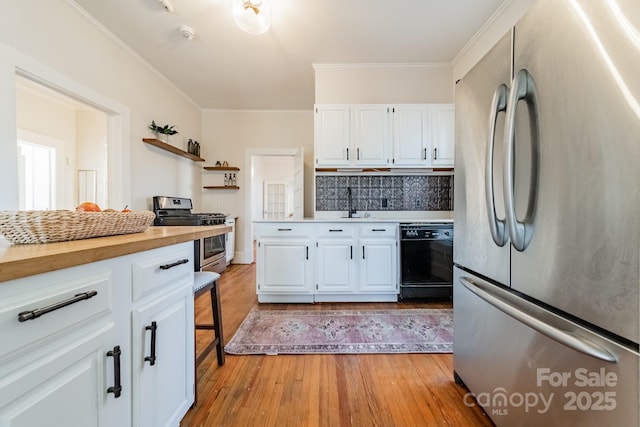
(320, 390)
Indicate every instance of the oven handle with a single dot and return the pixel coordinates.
(448, 239)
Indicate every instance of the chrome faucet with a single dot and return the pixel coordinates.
(351, 210)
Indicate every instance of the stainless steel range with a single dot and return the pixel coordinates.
(209, 252)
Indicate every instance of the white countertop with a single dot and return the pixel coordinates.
(378, 216)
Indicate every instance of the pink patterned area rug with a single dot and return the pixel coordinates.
(344, 331)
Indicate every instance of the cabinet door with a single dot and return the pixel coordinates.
(378, 265)
(332, 134)
(443, 135)
(411, 135)
(230, 239)
(66, 387)
(335, 268)
(284, 266)
(163, 387)
(372, 137)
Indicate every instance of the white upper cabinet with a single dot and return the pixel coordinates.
(381, 135)
(443, 135)
(372, 135)
(411, 135)
(332, 135)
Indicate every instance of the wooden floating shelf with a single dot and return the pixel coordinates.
(221, 187)
(222, 168)
(171, 149)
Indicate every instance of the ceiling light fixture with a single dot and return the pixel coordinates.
(252, 16)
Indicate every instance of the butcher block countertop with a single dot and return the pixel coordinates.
(18, 261)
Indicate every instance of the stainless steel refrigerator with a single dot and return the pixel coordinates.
(547, 212)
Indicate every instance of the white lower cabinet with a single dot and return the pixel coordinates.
(162, 362)
(335, 262)
(66, 357)
(284, 270)
(67, 387)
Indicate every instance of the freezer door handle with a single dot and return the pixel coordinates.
(523, 88)
(496, 226)
(543, 321)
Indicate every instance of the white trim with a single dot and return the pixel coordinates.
(385, 65)
(118, 119)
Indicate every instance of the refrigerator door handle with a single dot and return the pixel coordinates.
(523, 88)
(496, 226)
(543, 321)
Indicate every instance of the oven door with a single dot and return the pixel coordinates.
(210, 254)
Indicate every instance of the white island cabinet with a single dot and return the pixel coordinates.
(320, 261)
(102, 343)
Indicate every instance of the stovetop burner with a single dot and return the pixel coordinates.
(177, 211)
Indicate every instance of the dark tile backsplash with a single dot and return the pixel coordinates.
(385, 193)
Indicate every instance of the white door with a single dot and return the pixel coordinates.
(163, 386)
(275, 200)
(377, 265)
(372, 135)
(332, 134)
(443, 127)
(335, 265)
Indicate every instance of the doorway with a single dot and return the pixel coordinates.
(259, 162)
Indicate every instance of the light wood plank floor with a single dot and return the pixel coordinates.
(320, 390)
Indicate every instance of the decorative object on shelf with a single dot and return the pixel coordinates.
(225, 164)
(230, 182)
(162, 132)
(193, 147)
(252, 16)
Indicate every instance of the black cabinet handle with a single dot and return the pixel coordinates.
(347, 154)
(378, 229)
(351, 252)
(363, 252)
(33, 314)
(284, 229)
(358, 154)
(174, 264)
(153, 328)
(307, 252)
(335, 230)
(117, 385)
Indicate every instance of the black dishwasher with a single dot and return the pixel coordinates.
(426, 261)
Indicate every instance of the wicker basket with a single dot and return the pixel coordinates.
(22, 227)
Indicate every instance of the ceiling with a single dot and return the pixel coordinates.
(223, 67)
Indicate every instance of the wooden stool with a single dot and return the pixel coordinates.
(208, 281)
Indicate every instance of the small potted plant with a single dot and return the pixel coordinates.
(162, 132)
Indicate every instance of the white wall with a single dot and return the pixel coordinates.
(228, 135)
(382, 83)
(497, 26)
(56, 42)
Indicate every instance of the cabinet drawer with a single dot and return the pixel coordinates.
(379, 230)
(160, 268)
(34, 313)
(283, 230)
(338, 230)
